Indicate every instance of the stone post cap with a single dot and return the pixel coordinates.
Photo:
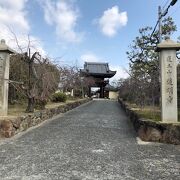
(168, 44)
(5, 48)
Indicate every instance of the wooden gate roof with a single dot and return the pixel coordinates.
(97, 69)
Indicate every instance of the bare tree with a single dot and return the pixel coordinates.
(38, 75)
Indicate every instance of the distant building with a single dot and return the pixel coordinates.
(111, 92)
(99, 71)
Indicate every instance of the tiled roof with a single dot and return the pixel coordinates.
(100, 68)
(97, 69)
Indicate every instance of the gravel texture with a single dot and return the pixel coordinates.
(95, 141)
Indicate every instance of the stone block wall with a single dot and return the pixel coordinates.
(10, 127)
(149, 130)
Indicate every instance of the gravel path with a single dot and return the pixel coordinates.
(95, 141)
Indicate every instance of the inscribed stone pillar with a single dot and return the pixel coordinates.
(5, 52)
(168, 66)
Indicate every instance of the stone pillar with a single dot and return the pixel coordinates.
(168, 66)
(5, 52)
(72, 92)
(89, 93)
(101, 91)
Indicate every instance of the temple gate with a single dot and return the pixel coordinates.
(99, 72)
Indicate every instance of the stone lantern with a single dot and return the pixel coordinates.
(168, 68)
(5, 52)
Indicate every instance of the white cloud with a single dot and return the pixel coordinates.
(13, 22)
(112, 20)
(64, 16)
(90, 57)
(13, 14)
(23, 41)
(120, 72)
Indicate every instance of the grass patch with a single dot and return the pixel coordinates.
(19, 109)
(16, 109)
(149, 112)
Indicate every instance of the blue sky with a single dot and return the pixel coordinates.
(79, 30)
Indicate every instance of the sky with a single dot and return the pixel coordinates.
(73, 31)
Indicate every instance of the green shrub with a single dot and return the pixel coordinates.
(40, 104)
(59, 97)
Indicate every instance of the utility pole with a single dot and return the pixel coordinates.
(160, 23)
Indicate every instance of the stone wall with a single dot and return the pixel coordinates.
(149, 130)
(10, 127)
